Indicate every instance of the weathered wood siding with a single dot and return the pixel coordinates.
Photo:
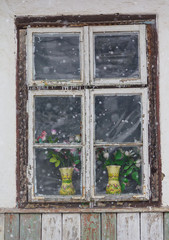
(84, 226)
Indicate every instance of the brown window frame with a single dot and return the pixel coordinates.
(22, 95)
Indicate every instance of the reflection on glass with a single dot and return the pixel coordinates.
(116, 55)
(130, 161)
(56, 56)
(57, 119)
(118, 118)
(48, 174)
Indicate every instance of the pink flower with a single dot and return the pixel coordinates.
(73, 151)
(76, 169)
(42, 137)
(57, 150)
(53, 131)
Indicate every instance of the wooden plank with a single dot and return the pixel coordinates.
(128, 227)
(1, 226)
(152, 226)
(12, 226)
(166, 226)
(51, 227)
(90, 225)
(71, 226)
(108, 226)
(30, 226)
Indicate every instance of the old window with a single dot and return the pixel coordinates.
(88, 113)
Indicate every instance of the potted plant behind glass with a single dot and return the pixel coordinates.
(121, 167)
(66, 159)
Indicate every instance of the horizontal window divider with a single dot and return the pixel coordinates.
(54, 198)
(121, 197)
(57, 145)
(70, 87)
(118, 144)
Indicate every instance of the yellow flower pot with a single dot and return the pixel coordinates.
(67, 187)
(113, 186)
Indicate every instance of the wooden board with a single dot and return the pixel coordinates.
(152, 226)
(108, 226)
(1, 226)
(71, 226)
(30, 226)
(128, 227)
(12, 226)
(51, 227)
(90, 225)
(166, 226)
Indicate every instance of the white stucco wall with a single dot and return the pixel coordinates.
(9, 8)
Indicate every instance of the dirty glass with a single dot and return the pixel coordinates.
(130, 174)
(48, 179)
(57, 119)
(118, 118)
(116, 55)
(56, 56)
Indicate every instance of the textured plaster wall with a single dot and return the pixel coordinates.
(10, 8)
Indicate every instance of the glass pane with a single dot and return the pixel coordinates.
(116, 55)
(57, 119)
(48, 174)
(56, 56)
(130, 173)
(118, 118)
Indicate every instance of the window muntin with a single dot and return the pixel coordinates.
(43, 106)
(55, 56)
(106, 56)
(137, 147)
(88, 146)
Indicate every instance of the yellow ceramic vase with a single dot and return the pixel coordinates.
(113, 186)
(67, 186)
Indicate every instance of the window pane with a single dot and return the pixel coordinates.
(116, 55)
(48, 177)
(130, 174)
(56, 56)
(57, 119)
(118, 118)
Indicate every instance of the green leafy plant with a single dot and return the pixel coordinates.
(128, 160)
(65, 157)
(59, 156)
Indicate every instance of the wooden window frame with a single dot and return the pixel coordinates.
(22, 94)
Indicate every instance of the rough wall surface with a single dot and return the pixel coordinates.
(8, 10)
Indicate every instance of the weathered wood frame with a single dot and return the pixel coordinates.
(32, 146)
(21, 97)
(143, 143)
(30, 48)
(140, 30)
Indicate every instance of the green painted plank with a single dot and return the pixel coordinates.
(12, 226)
(90, 225)
(30, 226)
(108, 226)
(166, 226)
